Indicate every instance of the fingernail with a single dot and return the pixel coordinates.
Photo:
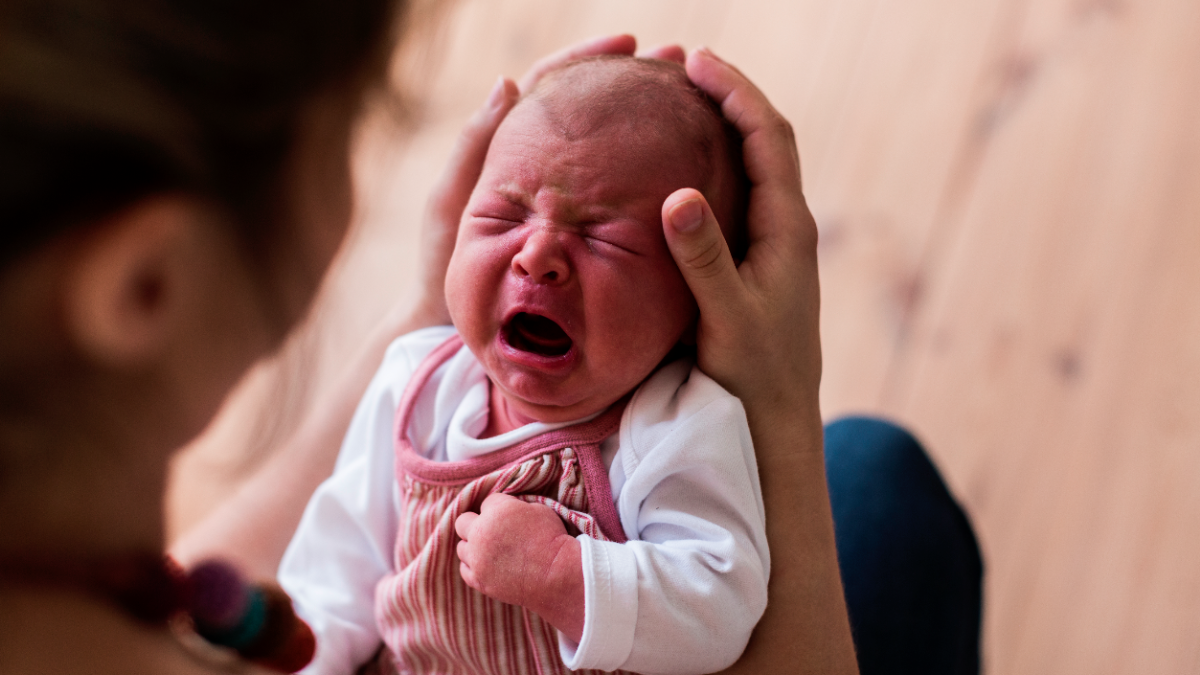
(687, 216)
(497, 96)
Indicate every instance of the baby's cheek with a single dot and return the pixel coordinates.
(455, 297)
(470, 281)
(661, 315)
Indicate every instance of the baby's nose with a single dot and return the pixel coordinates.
(542, 259)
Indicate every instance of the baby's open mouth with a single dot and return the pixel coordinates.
(537, 334)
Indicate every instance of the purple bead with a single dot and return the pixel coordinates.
(219, 595)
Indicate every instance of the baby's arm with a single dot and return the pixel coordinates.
(346, 538)
(520, 553)
(341, 550)
(684, 594)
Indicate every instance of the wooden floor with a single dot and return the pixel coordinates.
(1009, 200)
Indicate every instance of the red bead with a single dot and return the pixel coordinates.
(295, 653)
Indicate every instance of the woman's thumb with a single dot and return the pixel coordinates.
(700, 250)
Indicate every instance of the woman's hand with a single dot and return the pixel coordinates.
(758, 336)
(449, 198)
(758, 333)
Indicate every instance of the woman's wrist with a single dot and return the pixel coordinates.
(805, 628)
(787, 428)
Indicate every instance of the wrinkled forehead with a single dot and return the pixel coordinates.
(611, 141)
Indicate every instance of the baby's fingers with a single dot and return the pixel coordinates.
(466, 556)
(499, 505)
(468, 575)
(463, 524)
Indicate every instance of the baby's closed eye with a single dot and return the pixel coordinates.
(498, 209)
(490, 222)
(617, 235)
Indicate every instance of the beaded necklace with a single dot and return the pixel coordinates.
(256, 621)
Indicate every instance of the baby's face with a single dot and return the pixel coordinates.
(561, 282)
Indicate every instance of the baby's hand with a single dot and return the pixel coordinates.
(520, 553)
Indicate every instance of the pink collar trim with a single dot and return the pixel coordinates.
(409, 462)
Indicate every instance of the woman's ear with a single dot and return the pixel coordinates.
(122, 298)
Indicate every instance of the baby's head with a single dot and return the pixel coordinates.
(561, 282)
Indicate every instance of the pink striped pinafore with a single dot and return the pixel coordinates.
(430, 620)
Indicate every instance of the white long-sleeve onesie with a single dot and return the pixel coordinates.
(681, 596)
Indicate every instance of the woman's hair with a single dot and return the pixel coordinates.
(103, 102)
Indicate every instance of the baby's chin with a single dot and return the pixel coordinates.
(547, 409)
(528, 402)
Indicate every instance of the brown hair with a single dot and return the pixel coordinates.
(587, 93)
(106, 101)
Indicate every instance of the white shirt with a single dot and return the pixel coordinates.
(681, 596)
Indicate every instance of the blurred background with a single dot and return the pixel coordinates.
(1008, 194)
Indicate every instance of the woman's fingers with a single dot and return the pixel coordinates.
(608, 44)
(702, 255)
(753, 115)
(758, 326)
(449, 197)
(666, 53)
(769, 146)
(466, 160)
(699, 247)
(778, 213)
